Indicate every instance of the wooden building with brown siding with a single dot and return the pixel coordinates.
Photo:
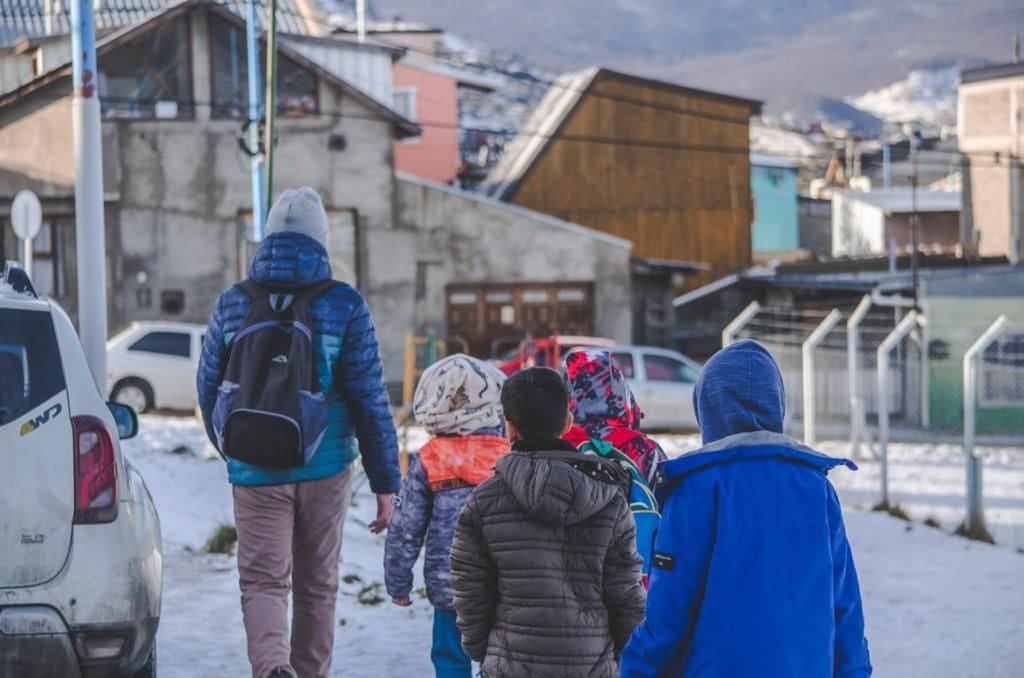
(665, 166)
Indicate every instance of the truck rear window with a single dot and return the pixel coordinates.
(30, 365)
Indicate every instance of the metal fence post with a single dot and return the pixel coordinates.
(858, 415)
(738, 323)
(807, 355)
(974, 518)
(890, 342)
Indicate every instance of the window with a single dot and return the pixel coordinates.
(175, 344)
(1002, 373)
(150, 76)
(296, 86)
(30, 366)
(405, 102)
(663, 368)
(625, 361)
(52, 269)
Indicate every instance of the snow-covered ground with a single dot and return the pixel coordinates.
(936, 605)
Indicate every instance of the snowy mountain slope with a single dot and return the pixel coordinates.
(926, 95)
(936, 605)
(787, 52)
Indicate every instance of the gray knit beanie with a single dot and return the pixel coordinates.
(299, 211)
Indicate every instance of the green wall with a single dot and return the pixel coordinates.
(959, 321)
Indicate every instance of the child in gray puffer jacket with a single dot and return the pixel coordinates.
(545, 571)
(457, 400)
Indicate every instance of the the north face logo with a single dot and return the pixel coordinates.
(281, 359)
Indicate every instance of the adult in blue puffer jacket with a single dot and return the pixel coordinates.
(289, 521)
(753, 574)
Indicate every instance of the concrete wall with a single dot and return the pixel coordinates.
(858, 228)
(463, 237)
(776, 225)
(184, 185)
(989, 122)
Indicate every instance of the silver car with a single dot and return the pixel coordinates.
(662, 381)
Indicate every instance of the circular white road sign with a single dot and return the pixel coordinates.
(26, 215)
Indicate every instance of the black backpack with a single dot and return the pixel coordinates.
(269, 411)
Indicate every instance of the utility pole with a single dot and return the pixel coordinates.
(913, 218)
(259, 202)
(90, 233)
(271, 107)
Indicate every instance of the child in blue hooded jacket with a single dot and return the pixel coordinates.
(753, 574)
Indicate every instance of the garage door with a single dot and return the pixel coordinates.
(483, 315)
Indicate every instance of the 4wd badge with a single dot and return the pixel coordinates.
(44, 418)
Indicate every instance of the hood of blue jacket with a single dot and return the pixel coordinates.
(740, 390)
(289, 260)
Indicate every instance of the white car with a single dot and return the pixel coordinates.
(153, 365)
(81, 564)
(662, 381)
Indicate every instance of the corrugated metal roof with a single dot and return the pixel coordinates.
(34, 19)
(902, 200)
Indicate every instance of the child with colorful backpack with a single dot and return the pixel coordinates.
(607, 423)
(458, 401)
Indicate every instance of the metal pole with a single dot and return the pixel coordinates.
(90, 230)
(886, 166)
(885, 348)
(271, 108)
(857, 411)
(926, 403)
(914, 235)
(252, 47)
(26, 256)
(737, 324)
(361, 20)
(974, 519)
(807, 353)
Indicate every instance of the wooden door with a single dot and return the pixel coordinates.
(486, 314)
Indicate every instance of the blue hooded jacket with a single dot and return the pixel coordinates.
(348, 365)
(753, 574)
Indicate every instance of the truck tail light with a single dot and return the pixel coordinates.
(95, 472)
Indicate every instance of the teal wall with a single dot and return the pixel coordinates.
(776, 226)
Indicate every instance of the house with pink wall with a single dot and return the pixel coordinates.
(427, 94)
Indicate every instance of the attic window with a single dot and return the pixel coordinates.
(297, 86)
(149, 77)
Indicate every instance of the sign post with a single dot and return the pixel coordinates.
(27, 219)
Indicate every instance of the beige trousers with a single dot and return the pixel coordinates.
(289, 539)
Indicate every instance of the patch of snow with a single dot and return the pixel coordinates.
(935, 604)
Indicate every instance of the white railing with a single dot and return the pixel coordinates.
(974, 518)
(807, 354)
